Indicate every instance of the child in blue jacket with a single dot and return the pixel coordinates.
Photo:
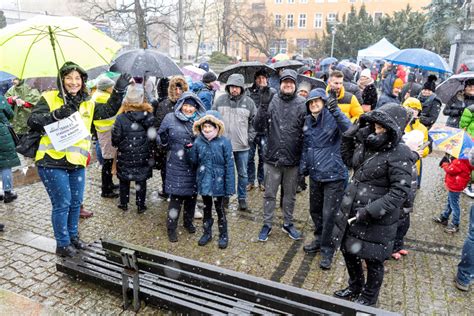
(212, 155)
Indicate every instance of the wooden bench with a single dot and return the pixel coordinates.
(192, 287)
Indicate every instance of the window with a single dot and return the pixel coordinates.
(352, 1)
(331, 17)
(278, 20)
(289, 21)
(302, 43)
(303, 1)
(291, 1)
(318, 20)
(278, 1)
(302, 21)
(278, 46)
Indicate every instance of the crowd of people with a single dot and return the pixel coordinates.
(208, 146)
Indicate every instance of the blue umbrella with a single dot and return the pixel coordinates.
(328, 61)
(419, 58)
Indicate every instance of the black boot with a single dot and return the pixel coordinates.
(9, 197)
(225, 202)
(172, 235)
(2, 227)
(243, 205)
(77, 243)
(207, 235)
(223, 235)
(68, 251)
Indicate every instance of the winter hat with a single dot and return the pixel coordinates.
(305, 86)
(192, 102)
(261, 72)
(204, 66)
(366, 73)
(135, 94)
(209, 77)
(288, 74)
(398, 83)
(213, 117)
(430, 84)
(413, 103)
(318, 93)
(104, 83)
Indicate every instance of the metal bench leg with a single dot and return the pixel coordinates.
(130, 270)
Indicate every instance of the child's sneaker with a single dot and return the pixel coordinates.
(440, 220)
(468, 192)
(451, 228)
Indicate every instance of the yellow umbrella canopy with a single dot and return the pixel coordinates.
(38, 46)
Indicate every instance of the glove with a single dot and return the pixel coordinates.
(332, 104)
(64, 111)
(362, 215)
(265, 96)
(164, 139)
(122, 82)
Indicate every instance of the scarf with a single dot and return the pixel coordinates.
(192, 117)
(364, 82)
(210, 135)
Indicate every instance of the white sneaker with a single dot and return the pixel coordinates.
(468, 192)
(197, 214)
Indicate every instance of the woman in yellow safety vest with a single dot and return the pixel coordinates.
(63, 171)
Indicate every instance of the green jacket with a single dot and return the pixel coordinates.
(8, 155)
(467, 120)
(28, 94)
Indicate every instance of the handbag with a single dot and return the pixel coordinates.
(15, 137)
(28, 144)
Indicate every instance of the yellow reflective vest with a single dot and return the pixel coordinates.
(102, 126)
(76, 154)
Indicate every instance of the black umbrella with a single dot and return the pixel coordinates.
(247, 69)
(145, 62)
(314, 82)
(290, 64)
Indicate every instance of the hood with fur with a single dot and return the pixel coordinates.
(213, 116)
(172, 87)
(136, 107)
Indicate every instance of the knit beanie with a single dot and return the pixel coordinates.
(209, 77)
(306, 86)
(135, 94)
(261, 72)
(366, 73)
(430, 84)
(104, 83)
(191, 101)
(469, 82)
(398, 83)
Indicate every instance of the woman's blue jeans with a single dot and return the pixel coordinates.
(7, 179)
(66, 190)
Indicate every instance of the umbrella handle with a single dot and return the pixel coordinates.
(61, 86)
(350, 221)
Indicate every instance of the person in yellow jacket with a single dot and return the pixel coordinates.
(415, 105)
(347, 101)
(103, 128)
(63, 171)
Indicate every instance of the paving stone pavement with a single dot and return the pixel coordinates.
(421, 283)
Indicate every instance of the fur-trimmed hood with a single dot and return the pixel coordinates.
(136, 107)
(172, 87)
(213, 116)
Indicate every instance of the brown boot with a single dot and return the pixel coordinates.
(84, 213)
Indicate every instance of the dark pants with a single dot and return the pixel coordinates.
(107, 184)
(174, 208)
(218, 204)
(375, 271)
(140, 188)
(324, 202)
(257, 145)
(402, 229)
(163, 175)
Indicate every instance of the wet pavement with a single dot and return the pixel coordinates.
(421, 283)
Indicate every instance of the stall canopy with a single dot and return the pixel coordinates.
(378, 50)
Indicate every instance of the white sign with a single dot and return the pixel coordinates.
(67, 132)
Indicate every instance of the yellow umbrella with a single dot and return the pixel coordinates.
(281, 56)
(36, 47)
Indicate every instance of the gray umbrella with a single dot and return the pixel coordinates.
(290, 64)
(448, 88)
(145, 62)
(247, 69)
(314, 82)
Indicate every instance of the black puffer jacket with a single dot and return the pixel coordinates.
(369, 96)
(130, 136)
(282, 122)
(455, 107)
(431, 106)
(380, 185)
(260, 95)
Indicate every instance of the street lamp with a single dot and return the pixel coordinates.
(333, 32)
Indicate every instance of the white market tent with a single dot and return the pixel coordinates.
(378, 50)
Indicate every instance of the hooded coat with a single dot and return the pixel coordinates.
(22, 113)
(237, 113)
(455, 107)
(130, 137)
(8, 155)
(41, 114)
(205, 92)
(321, 157)
(213, 159)
(350, 86)
(381, 184)
(458, 174)
(431, 106)
(175, 132)
(282, 122)
(387, 88)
